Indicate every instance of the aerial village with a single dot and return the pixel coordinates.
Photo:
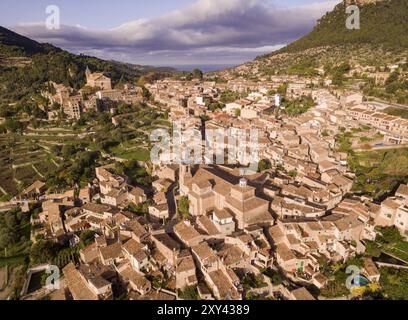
(208, 226)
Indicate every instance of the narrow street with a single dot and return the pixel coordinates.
(171, 201)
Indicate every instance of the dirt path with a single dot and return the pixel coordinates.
(3, 191)
(3, 278)
(6, 291)
(388, 147)
(38, 172)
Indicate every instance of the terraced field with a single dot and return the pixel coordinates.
(26, 174)
(7, 183)
(23, 160)
(38, 153)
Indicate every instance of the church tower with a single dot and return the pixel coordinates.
(243, 183)
(184, 175)
(87, 72)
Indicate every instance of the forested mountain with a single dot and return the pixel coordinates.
(381, 40)
(382, 23)
(25, 65)
(13, 44)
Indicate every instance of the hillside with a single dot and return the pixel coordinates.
(381, 41)
(25, 65)
(13, 44)
(383, 24)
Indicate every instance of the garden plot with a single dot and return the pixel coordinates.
(29, 159)
(7, 182)
(23, 162)
(46, 167)
(26, 175)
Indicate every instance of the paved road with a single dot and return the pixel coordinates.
(388, 147)
(256, 271)
(394, 105)
(171, 201)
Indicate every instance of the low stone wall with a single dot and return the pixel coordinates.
(390, 265)
(30, 272)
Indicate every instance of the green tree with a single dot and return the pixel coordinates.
(197, 74)
(293, 173)
(216, 106)
(389, 235)
(7, 238)
(228, 96)
(283, 89)
(263, 165)
(87, 237)
(43, 252)
(68, 151)
(12, 125)
(184, 207)
(189, 293)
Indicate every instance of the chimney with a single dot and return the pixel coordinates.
(243, 182)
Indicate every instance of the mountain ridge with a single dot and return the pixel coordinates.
(383, 23)
(26, 65)
(21, 44)
(382, 40)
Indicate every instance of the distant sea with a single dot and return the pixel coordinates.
(202, 67)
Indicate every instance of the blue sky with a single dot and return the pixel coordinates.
(171, 32)
(102, 13)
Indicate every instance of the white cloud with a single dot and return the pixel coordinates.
(205, 32)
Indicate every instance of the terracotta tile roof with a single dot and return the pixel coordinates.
(230, 254)
(137, 279)
(370, 268)
(137, 229)
(185, 262)
(77, 284)
(348, 222)
(153, 295)
(113, 251)
(302, 294)
(403, 190)
(247, 205)
(90, 252)
(97, 76)
(204, 252)
(284, 252)
(96, 208)
(276, 234)
(36, 185)
(186, 232)
(167, 241)
(222, 214)
(132, 246)
(391, 203)
(223, 285)
(99, 282)
(207, 225)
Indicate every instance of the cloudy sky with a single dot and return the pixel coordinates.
(168, 32)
